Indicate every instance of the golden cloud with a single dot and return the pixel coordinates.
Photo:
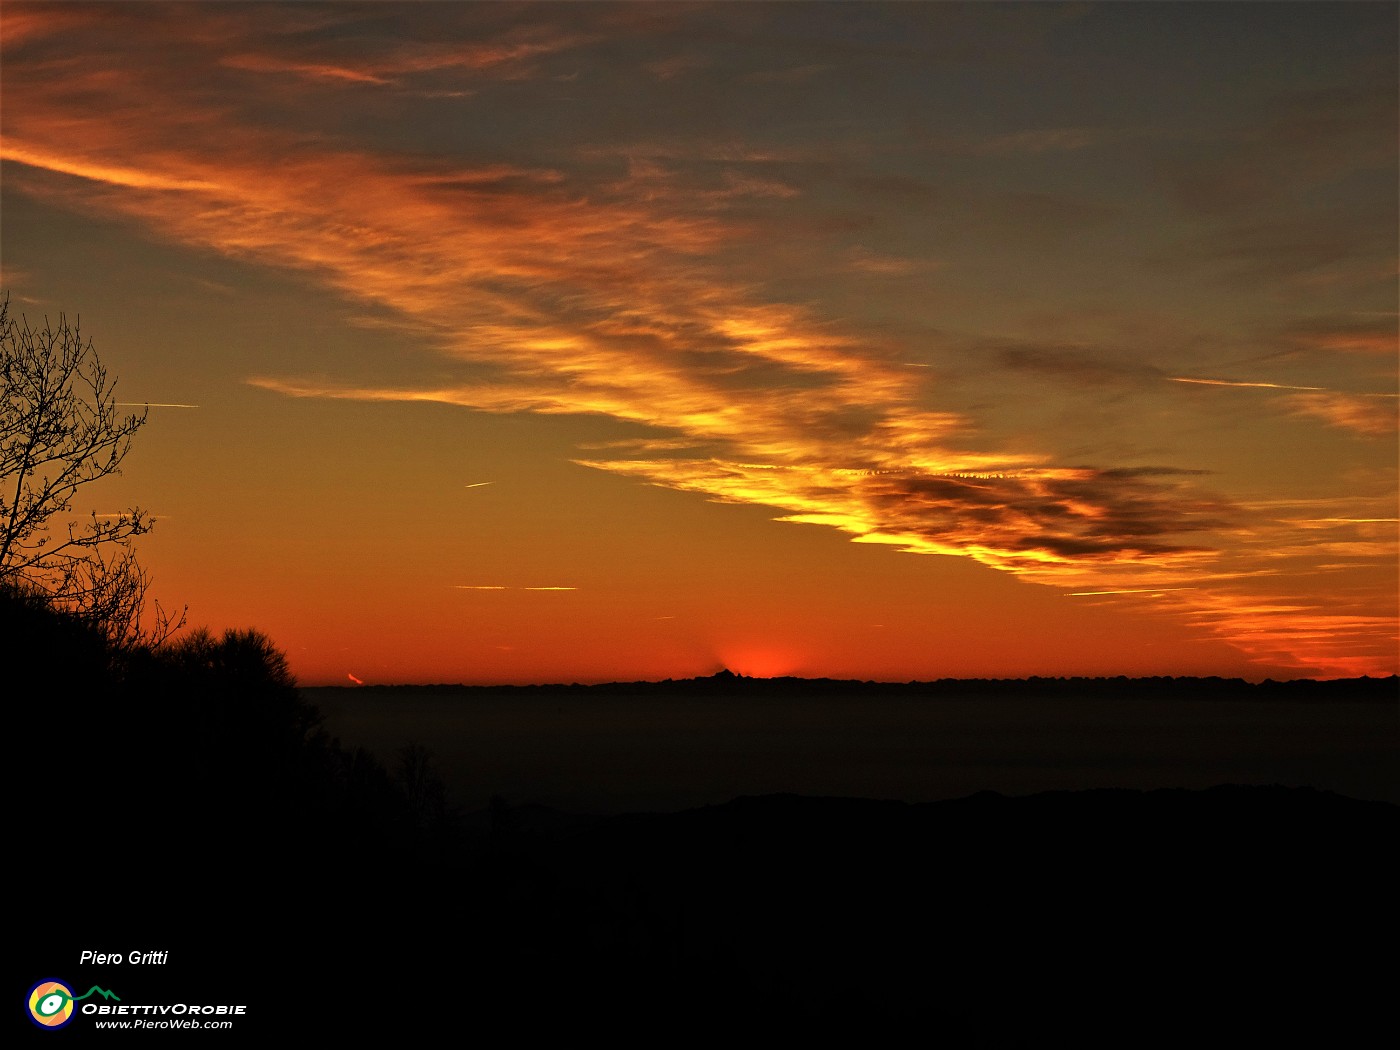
(580, 292)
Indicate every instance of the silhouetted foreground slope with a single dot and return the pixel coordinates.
(1094, 916)
(1101, 914)
(191, 806)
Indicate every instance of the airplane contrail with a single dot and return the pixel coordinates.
(1136, 590)
(501, 587)
(1230, 382)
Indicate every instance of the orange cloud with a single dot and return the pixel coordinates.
(1369, 415)
(1377, 335)
(272, 64)
(584, 292)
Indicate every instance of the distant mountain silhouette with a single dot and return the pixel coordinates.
(1364, 689)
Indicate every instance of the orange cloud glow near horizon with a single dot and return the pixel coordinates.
(693, 305)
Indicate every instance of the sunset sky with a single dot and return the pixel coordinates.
(499, 343)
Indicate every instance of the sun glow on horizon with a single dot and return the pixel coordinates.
(758, 661)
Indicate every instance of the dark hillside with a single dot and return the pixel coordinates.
(188, 800)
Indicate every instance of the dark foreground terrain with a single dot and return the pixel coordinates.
(1102, 917)
(188, 805)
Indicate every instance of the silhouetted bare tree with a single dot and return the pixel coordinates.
(60, 429)
(422, 787)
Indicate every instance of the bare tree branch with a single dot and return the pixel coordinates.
(60, 430)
